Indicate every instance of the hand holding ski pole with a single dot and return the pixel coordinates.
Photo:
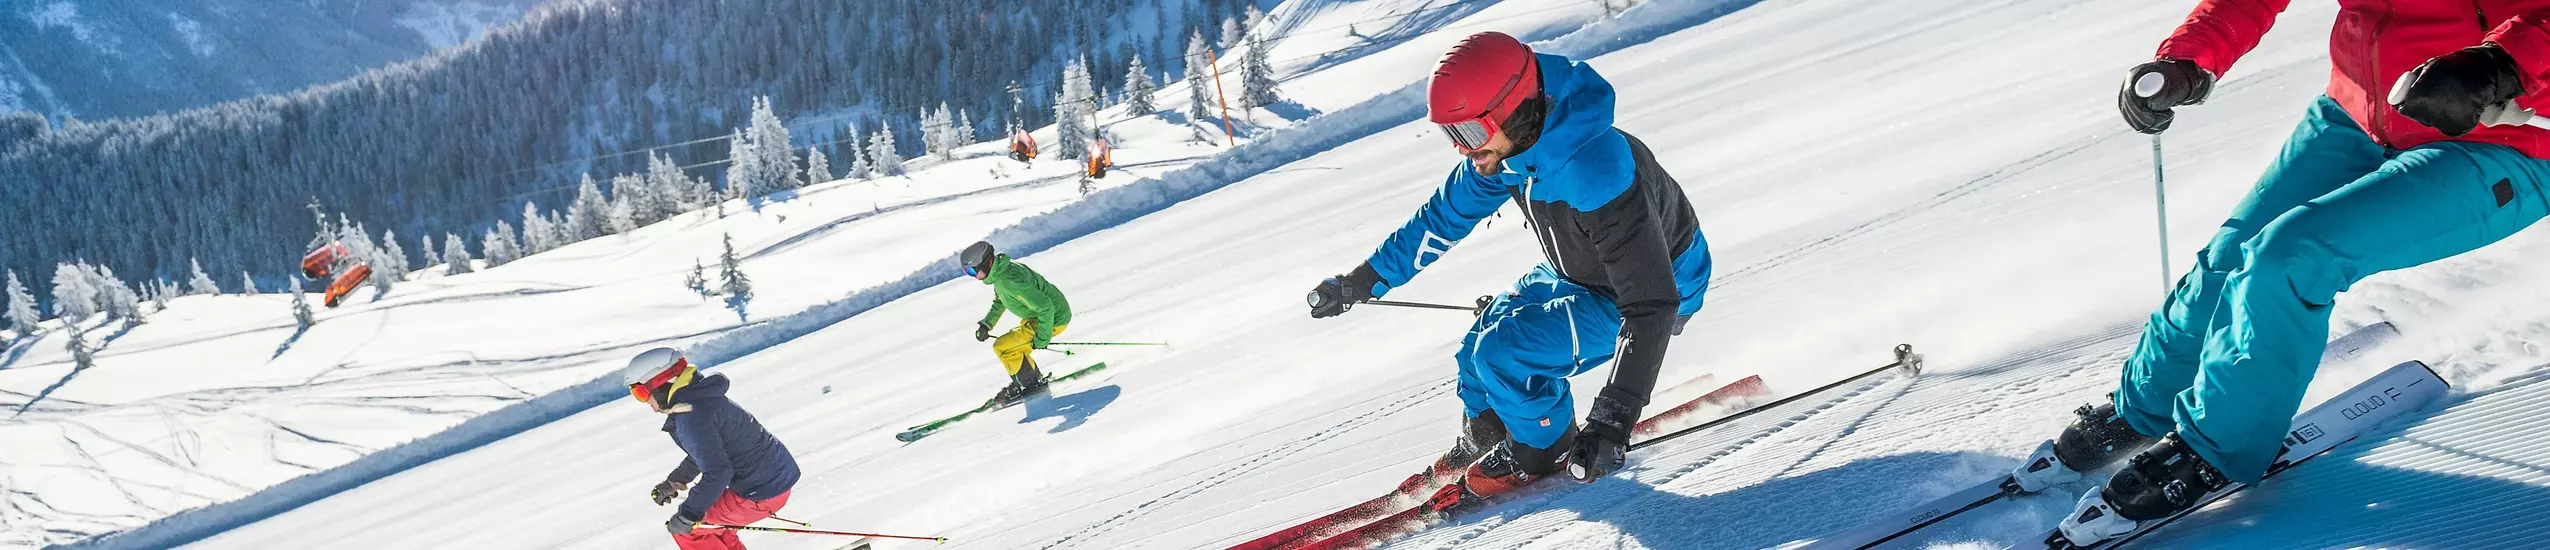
(1337, 294)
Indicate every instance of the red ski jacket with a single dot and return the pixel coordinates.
(2375, 41)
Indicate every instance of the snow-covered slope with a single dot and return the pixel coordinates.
(96, 60)
(217, 400)
(1950, 176)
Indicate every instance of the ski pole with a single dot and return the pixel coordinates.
(815, 532)
(2150, 85)
(798, 523)
(1161, 344)
(2160, 204)
(1420, 305)
(1906, 362)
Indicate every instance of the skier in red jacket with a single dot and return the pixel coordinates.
(2417, 153)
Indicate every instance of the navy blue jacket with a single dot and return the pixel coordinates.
(1607, 217)
(728, 449)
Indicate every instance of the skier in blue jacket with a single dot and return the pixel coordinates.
(1625, 262)
(743, 474)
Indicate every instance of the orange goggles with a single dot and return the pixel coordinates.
(645, 392)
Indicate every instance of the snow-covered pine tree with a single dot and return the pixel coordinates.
(1137, 89)
(558, 232)
(395, 256)
(199, 283)
(536, 235)
(1199, 80)
(389, 265)
(882, 159)
(425, 246)
(82, 356)
(585, 216)
(771, 143)
(818, 168)
(22, 313)
(951, 138)
(247, 284)
(730, 272)
(455, 255)
(859, 165)
(698, 281)
(1232, 33)
(742, 167)
(74, 297)
(933, 134)
(1072, 107)
(498, 246)
(158, 294)
(358, 243)
(965, 134)
(627, 191)
(301, 304)
(1251, 20)
(115, 297)
(1257, 76)
(669, 192)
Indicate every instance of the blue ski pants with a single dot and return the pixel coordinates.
(1518, 355)
(2224, 362)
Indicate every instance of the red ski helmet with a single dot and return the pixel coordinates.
(1478, 84)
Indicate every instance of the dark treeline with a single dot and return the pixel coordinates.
(456, 141)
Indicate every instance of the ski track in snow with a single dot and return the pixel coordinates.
(1256, 462)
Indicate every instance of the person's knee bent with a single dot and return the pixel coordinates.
(2292, 254)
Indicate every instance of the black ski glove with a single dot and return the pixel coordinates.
(1603, 446)
(680, 524)
(982, 331)
(1333, 296)
(667, 491)
(2180, 81)
(2456, 92)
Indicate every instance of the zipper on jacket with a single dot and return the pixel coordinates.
(1542, 230)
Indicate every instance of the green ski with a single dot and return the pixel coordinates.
(924, 430)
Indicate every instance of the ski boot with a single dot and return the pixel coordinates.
(2165, 479)
(1026, 383)
(1478, 435)
(2097, 437)
(1511, 465)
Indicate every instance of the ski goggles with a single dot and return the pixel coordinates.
(1469, 135)
(971, 271)
(678, 375)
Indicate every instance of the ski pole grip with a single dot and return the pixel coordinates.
(2149, 84)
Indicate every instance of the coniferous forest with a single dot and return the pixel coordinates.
(457, 142)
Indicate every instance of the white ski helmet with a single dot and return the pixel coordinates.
(653, 376)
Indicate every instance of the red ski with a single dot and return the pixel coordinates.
(1366, 525)
(1433, 490)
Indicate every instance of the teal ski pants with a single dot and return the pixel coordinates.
(2225, 361)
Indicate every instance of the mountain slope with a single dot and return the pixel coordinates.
(97, 60)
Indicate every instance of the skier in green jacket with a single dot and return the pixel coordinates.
(1042, 313)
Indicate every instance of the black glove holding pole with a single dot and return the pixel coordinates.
(1334, 296)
